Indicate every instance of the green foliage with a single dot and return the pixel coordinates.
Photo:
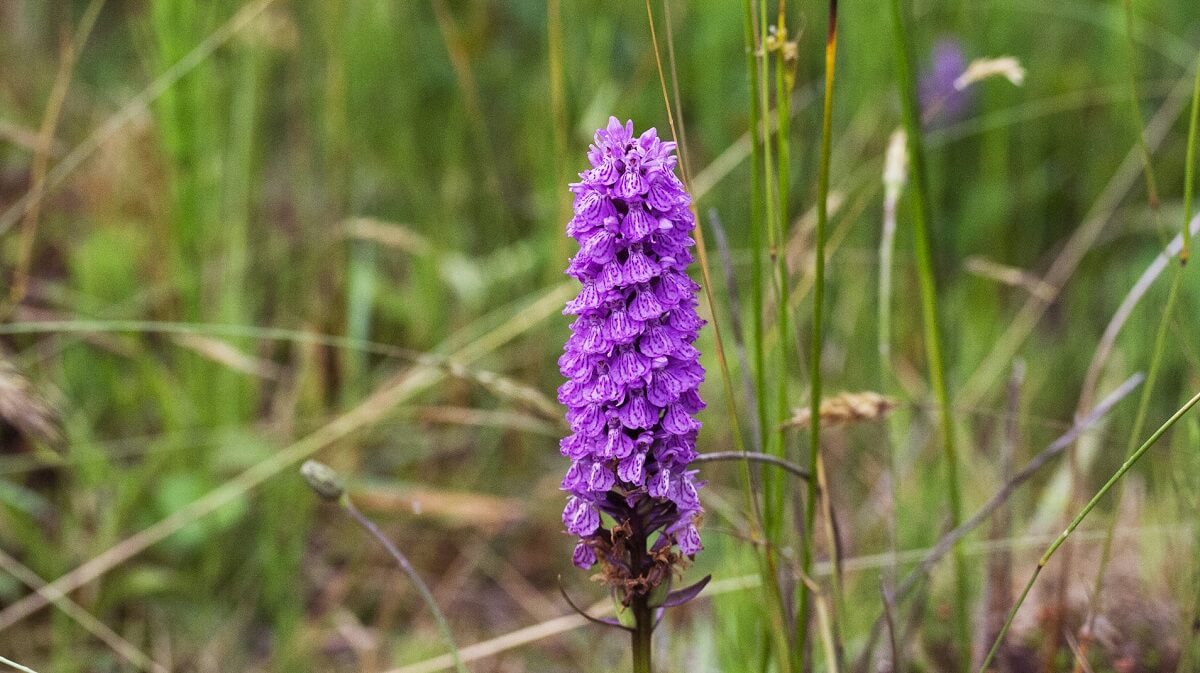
(238, 197)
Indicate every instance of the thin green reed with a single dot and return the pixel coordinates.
(838, 608)
(1135, 108)
(773, 484)
(1062, 537)
(783, 114)
(780, 642)
(777, 215)
(766, 553)
(775, 158)
(1189, 169)
(921, 214)
(1156, 357)
(784, 81)
(756, 220)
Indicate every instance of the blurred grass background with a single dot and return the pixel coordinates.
(394, 174)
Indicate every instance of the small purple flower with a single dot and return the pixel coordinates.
(941, 101)
(632, 372)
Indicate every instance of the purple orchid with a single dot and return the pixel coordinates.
(632, 372)
(942, 102)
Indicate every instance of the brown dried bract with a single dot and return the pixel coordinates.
(846, 408)
(612, 549)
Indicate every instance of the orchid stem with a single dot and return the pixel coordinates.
(642, 633)
(643, 616)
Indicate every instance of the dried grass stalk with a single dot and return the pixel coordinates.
(22, 407)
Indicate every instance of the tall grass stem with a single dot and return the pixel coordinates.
(1139, 424)
(780, 640)
(815, 464)
(1189, 168)
(1135, 109)
(921, 207)
(767, 562)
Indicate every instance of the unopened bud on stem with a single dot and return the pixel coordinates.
(322, 479)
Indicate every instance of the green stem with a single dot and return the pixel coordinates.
(641, 636)
(768, 565)
(1062, 537)
(1135, 107)
(774, 489)
(1189, 169)
(921, 215)
(1139, 424)
(756, 218)
(817, 341)
(422, 588)
(643, 615)
(783, 116)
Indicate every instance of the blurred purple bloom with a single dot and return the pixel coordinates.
(941, 102)
(632, 372)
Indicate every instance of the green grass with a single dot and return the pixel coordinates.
(266, 218)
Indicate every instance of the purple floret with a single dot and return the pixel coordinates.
(633, 375)
(941, 102)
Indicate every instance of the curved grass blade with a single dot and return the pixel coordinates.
(1062, 537)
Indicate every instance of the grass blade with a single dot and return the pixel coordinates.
(921, 212)
(1091, 504)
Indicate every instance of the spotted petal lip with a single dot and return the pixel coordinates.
(633, 375)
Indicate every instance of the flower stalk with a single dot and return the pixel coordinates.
(643, 616)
